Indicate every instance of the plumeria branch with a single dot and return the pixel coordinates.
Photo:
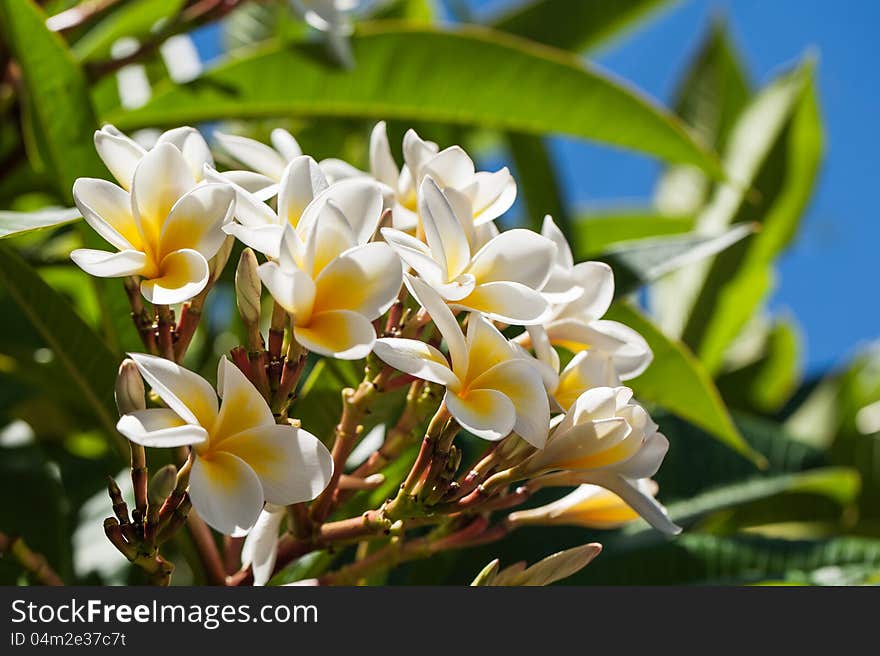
(35, 564)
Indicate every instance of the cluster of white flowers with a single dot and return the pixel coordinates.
(341, 246)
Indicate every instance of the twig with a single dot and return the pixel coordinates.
(33, 563)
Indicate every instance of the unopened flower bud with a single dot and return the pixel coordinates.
(487, 574)
(162, 484)
(248, 288)
(130, 393)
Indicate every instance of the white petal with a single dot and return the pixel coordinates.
(243, 407)
(493, 194)
(443, 231)
(292, 464)
(109, 265)
(339, 333)
(416, 151)
(160, 427)
(632, 355)
(451, 167)
(192, 146)
(360, 200)
(486, 346)
(337, 169)
(285, 144)
(508, 302)
(263, 239)
(637, 499)
(260, 548)
(250, 210)
(327, 238)
(182, 275)
(185, 392)
(365, 279)
(416, 254)
(162, 177)
(107, 209)
(255, 183)
(485, 413)
(196, 220)
(445, 321)
(416, 359)
(551, 231)
(518, 255)
(225, 492)
(382, 164)
(253, 154)
(301, 182)
(520, 382)
(647, 461)
(291, 288)
(597, 280)
(119, 153)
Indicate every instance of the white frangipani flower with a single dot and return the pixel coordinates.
(482, 196)
(266, 165)
(260, 548)
(577, 325)
(259, 226)
(165, 230)
(331, 282)
(121, 154)
(242, 457)
(562, 285)
(490, 389)
(500, 280)
(608, 440)
(590, 506)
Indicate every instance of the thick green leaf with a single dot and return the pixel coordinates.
(696, 558)
(639, 262)
(768, 381)
(58, 107)
(574, 25)
(136, 19)
(775, 150)
(13, 224)
(469, 77)
(598, 231)
(676, 381)
(81, 354)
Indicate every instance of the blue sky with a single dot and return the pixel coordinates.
(824, 278)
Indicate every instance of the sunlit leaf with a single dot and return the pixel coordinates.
(469, 77)
(774, 150)
(537, 183)
(677, 381)
(82, 355)
(599, 230)
(19, 223)
(638, 262)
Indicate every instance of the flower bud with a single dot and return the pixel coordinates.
(248, 288)
(130, 393)
(589, 506)
(162, 484)
(487, 575)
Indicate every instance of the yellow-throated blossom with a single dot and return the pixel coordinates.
(121, 154)
(330, 281)
(490, 389)
(501, 280)
(165, 230)
(242, 457)
(590, 506)
(605, 439)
